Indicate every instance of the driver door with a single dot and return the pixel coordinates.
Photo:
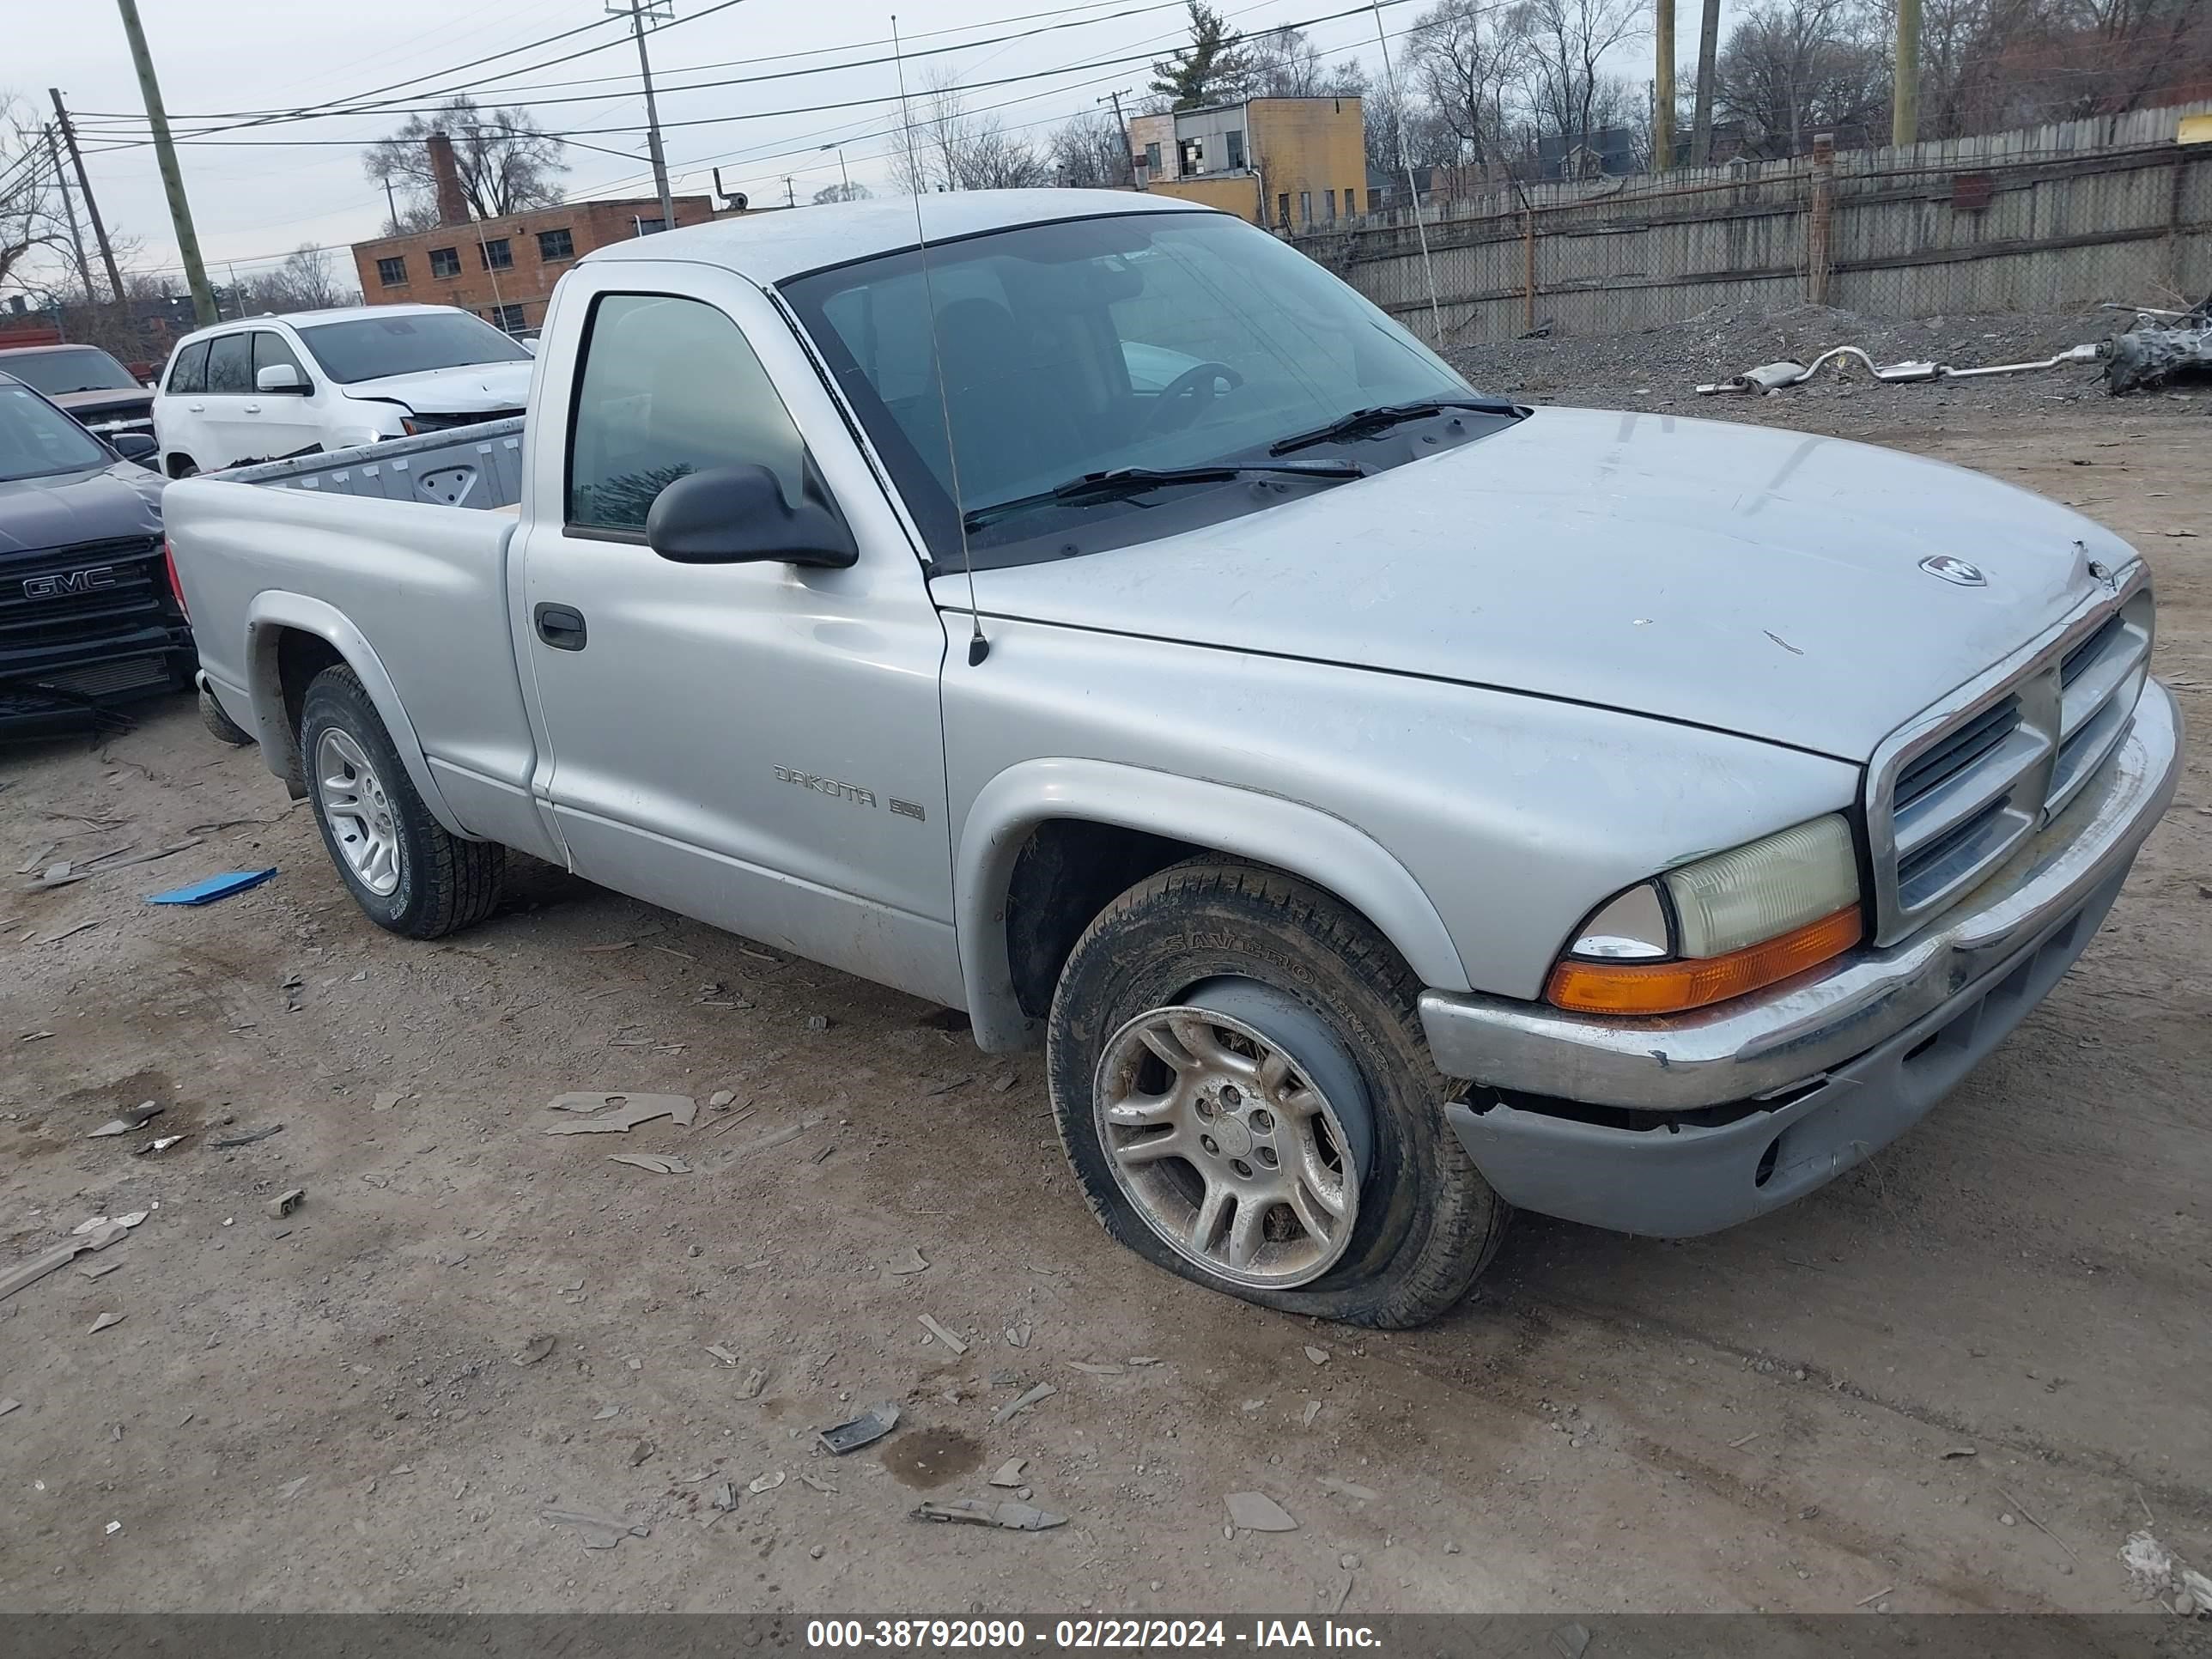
(758, 744)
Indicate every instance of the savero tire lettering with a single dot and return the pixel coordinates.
(90, 579)
(851, 792)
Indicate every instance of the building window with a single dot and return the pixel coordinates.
(1236, 147)
(1328, 207)
(393, 272)
(497, 255)
(1283, 211)
(1153, 160)
(651, 226)
(1192, 157)
(1305, 209)
(508, 318)
(444, 262)
(1349, 209)
(1375, 201)
(554, 245)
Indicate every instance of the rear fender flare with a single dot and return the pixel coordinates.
(1289, 835)
(271, 614)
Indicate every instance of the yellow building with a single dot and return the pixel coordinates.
(1291, 163)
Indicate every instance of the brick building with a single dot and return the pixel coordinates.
(502, 269)
(1291, 163)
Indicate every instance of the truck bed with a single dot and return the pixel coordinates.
(396, 554)
(471, 466)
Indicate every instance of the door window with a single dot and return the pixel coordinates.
(188, 374)
(668, 388)
(271, 349)
(230, 366)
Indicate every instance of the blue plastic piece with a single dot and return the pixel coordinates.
(213, 888)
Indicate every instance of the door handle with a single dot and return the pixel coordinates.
(560, 626)
(197, 409)
(253, 409)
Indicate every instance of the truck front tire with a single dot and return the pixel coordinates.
(404, 868)
(1243, 1091)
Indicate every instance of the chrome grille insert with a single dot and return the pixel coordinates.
(1953, 794)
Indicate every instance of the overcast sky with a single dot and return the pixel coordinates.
(254, 198)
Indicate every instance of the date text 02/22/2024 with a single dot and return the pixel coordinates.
(1013, 1634)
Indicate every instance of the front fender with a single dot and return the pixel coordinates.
(271, 614)
(1244, 823)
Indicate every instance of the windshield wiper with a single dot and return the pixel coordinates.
(1118, 483)
(1363, 422)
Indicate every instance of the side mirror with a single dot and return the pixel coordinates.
(737, 515)
(280, 377)
(530, 346)
(137, 446)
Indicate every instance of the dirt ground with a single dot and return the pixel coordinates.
(329, 1411)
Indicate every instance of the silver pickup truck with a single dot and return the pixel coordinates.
(1387, 804)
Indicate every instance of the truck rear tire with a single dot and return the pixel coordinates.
(220, 726)
(404, 869)
(1244, 1093)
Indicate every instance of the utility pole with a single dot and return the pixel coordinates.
(1905, 95)
(91, 207)
(790, 194)
(1663, 87)
(843, 172)
(69, 210)
(391, 205)
(1709, 51)
(1127, 153)
(639, 11)
(172, 182)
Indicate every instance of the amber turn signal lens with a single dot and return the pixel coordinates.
(1671, 987)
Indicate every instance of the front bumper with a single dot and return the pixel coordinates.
(1762, 1100)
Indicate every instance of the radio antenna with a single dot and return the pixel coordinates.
(978, 647)
(1412, 191)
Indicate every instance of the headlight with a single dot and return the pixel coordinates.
(1718, 927)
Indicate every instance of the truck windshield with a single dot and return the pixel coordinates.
(80, 369)
(1157, 340)
(371, 348)
(37, 440)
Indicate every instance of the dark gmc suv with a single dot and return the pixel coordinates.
(89, 614)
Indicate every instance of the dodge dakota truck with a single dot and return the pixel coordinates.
(1389, 805)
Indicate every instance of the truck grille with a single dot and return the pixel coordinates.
(80, 593)
(1962, 787)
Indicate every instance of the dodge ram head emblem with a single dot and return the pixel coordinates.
(76, 582)
(1954, 570)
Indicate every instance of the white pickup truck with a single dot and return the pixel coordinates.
(1388, 805)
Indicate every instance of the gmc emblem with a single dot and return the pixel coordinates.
(76, 582)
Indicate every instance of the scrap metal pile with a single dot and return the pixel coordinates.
(2158, 346)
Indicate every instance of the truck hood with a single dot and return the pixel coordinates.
(93, 506)
(468, 389)
(102, 400)
(1762, 582)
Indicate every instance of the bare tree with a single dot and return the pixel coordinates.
(1793, 68)
(29, 220)
(949, 149)
(1427, 137)
(847, 191)
(1091, 152)
(506, 162)
(309, 280)
(1569, 96)
(1284, 64)
(1468, 57)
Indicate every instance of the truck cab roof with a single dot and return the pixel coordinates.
(771, 247)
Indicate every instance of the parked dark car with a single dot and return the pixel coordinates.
(89, 611)
(86, 384)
